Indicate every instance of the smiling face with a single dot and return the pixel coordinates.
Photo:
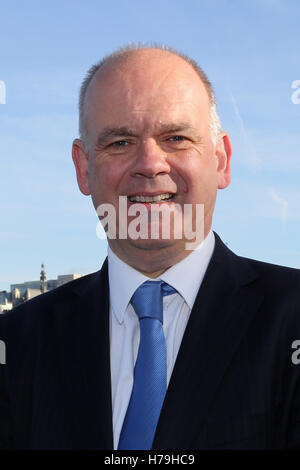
(148, 117)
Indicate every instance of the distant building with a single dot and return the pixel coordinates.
(20, 293)
(25, 285)
(29, 289)
(17, 297)
(30, 293)
(63, 279)
(27, 294)
(5, 301)
(43, 285)
(51, 284)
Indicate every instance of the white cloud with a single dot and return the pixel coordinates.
(281, 203)
(252, 159)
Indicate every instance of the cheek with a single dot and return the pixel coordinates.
(106, 177)
(190, 165)
(197, 174)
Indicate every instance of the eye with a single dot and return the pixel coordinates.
(177, 138)
(119, 143)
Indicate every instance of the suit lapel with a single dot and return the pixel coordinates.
(226, 303)
(83, 342)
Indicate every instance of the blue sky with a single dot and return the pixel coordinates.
(250, 51)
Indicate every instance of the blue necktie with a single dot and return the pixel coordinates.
(150, 373)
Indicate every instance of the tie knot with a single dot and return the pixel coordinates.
(147, 299)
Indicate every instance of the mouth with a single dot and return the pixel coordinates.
(155, 199)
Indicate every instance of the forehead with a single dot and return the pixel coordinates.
(147, 86)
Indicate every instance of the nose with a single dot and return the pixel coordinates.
(150, 160)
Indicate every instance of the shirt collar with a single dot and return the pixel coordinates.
(185, 276)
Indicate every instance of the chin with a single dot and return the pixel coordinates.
(152, 245)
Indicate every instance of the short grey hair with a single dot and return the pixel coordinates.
(215, 122)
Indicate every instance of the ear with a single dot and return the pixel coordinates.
(81, 161)
(223, 152)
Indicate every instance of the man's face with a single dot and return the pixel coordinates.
(148, 123)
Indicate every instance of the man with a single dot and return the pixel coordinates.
(82, 370)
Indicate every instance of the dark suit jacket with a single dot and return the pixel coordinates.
(234, 385)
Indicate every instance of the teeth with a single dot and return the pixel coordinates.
(157, 198)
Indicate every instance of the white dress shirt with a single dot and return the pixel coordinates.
(186, 277)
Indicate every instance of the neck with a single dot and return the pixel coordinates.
(152, 261)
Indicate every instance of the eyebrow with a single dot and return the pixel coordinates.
(123, 131)
(111, 132)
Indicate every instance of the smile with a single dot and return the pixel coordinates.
(157, 198)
